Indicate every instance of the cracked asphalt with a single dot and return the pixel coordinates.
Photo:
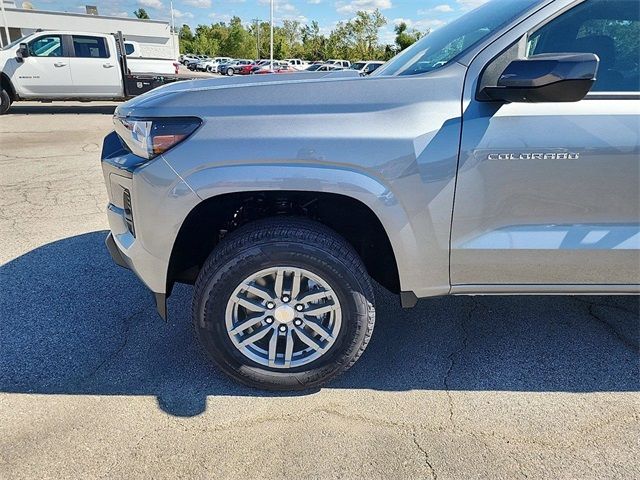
(94, 385)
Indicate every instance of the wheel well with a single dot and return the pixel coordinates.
(213, 218)
(6, 84)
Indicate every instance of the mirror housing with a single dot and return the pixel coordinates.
(23, 51)
(556, 77)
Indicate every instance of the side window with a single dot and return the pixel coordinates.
(608, 28)
(90, 47)
(49, 46)
(128, 48)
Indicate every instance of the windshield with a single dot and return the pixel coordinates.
(448, 42)
(15, 42)
(358, 66)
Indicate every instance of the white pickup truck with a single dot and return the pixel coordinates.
(63, 65)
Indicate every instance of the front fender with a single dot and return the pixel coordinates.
(372, 192)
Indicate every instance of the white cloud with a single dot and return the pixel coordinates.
(151, 4)
(421, 25)
(352, 6)
(180, 14)
(469, 4)
(198, 3)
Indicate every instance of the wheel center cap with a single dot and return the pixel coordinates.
(284, 314)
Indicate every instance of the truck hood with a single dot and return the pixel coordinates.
(194, 97)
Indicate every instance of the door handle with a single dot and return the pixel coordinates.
(107, 65)
(59, 64)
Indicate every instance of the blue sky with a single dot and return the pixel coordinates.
(420, 14)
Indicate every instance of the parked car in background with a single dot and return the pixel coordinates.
(186, 58)
(193, 64)
(234, 67)
(339, 63)
(278, 67)
(64, 65)
(325, 67)
(265, 66)
(297, 63)
(212, 65)
(366, 68)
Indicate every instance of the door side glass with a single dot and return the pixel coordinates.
(608, 28)
(90, 47)
(49, 46)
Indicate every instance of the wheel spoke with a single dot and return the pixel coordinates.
(307, 339)
(273, 348)
(254, 337)
(314, 297)
(295, 286)
(252, 305)
(279, 281)
(314, 312)
(319, 329)
(258, 292)
(247, 323)
(288, 352)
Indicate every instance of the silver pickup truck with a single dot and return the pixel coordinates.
(498, 155)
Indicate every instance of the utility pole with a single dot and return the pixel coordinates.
(271, 49)
(173, 32)
(257, 22)
(6, 25)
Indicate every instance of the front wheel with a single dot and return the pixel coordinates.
(284, 304)
(5, 101)
(230, 72)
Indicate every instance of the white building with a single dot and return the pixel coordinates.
(153, 36)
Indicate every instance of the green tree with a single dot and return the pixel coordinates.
(404, 37)
(141, 13)
(363, 34)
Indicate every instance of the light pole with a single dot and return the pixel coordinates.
(256, 21)
(173, 32)
(271, 28)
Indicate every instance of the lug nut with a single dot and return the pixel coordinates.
(297, 322)
(299, 308)
(283, 328)
(270, 305)
(285, 298)
(269, 320)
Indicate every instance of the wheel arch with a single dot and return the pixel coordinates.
(220, 214)
(6, 84)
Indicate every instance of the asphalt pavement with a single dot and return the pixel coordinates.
(94, 385)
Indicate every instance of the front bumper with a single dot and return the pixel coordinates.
(159, 203)
(119, 259)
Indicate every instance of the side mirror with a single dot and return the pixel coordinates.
(557, 77)
(23, 51)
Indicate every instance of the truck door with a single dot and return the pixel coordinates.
(547, 193)
(45, 73)
(94, 68)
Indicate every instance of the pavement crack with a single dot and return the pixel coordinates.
(113, 355)
(624, 340)
(427, 462)
(453, 356)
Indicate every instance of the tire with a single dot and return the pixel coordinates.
(281, 244)
(230, 72)
(5, 101)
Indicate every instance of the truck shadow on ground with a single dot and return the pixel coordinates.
(46, 109)
(74, 323)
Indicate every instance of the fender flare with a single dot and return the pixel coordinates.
(373, 192)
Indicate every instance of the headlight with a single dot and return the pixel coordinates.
(149, 137)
